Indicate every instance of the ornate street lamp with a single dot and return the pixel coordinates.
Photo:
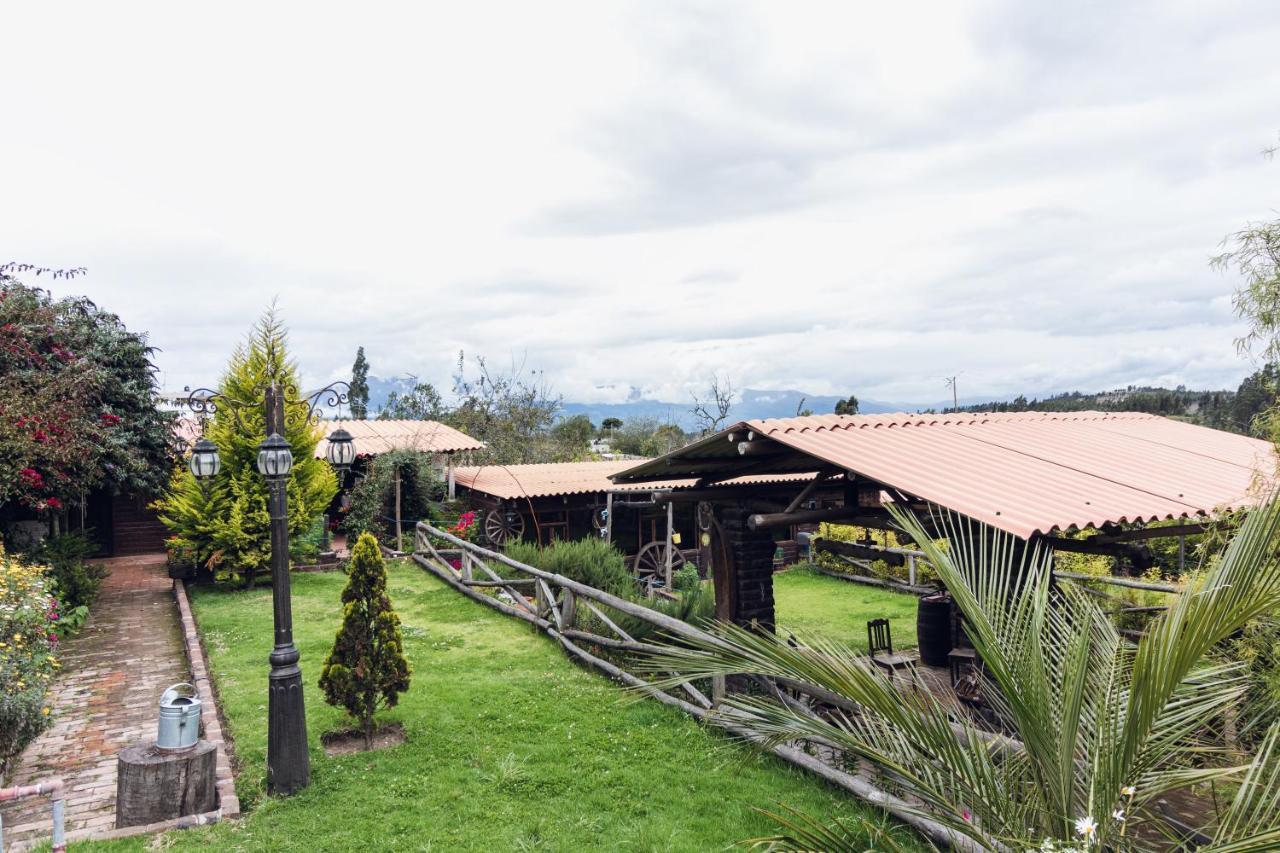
(205, 463)
(275, 459)
(341, 451)
(288, 763)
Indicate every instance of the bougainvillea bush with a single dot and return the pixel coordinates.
(28, 615)
(77, 403)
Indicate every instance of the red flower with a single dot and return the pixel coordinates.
(109, 419)
(54, 503)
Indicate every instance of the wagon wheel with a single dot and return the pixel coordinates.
(650, 564)
(503, 526)
(706, 516)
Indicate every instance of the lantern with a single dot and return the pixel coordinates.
(274, 457)
(204, 462)
(341, 451)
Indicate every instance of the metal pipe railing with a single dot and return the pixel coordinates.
(53, 788)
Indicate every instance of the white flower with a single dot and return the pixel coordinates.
(1086, 826)
(1128, 790)
(1118, 814)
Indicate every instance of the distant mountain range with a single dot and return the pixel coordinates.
(1233, 410)
(752, 403)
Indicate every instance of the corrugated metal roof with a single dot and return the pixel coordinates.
(371, 437)
(374, 437)
(572, 478)
(1028, 472)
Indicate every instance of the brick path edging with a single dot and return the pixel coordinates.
(210, 722)
(210, 711)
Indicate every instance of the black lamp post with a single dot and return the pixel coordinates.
(288, 763)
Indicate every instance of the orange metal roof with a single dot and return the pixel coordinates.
(1028, 472)
(572, 478)
(373, 437)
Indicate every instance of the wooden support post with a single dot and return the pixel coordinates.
(608, 521)
(399, 535)
(453, 486)
(1182, 554)
(911, 569)
(466, 566)
(671, 545)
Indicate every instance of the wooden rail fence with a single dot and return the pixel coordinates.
(553, 603)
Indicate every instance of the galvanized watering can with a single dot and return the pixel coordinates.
(179, 726)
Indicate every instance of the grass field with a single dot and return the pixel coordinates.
(806, 601)
(510, 746)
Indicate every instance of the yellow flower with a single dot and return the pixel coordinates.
(44, 711)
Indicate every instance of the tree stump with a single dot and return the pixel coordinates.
(152, 785)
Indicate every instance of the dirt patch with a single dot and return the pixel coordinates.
(347, 741)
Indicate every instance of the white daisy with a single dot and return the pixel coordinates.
(1086, 826)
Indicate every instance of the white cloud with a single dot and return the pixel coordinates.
(831, 197)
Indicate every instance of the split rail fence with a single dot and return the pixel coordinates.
(553, 603)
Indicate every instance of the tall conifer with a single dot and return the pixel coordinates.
(225, 524)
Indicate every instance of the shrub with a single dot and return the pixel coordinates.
(367, 669)
(305, 548)
(76, 582)
(372, 505)
(686, 578)
(591, 561)
(27, 663)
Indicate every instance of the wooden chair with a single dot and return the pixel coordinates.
(880, 645)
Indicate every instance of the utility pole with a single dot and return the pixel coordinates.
(955, 397)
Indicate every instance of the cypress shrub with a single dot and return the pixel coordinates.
(367, 669)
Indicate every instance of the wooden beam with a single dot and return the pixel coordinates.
(859, 516)
(852, 549)
(1152, 533)
(808, 490)
(1114, 581)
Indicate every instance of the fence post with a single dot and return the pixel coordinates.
(540, 600)
(911, 569)
(466, 565)
(568, 609)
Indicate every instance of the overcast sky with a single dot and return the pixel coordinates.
(857, 197)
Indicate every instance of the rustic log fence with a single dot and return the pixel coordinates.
(553, 603)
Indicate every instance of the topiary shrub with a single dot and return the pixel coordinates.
(367, 669)
(27, 616)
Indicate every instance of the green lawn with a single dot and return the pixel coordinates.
(808, 602)
(511, 746)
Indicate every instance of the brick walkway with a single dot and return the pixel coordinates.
(114, 671)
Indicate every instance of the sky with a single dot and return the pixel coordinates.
(845, 197)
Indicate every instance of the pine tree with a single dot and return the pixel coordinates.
(359, 395)
(367, 669)
(226, 524)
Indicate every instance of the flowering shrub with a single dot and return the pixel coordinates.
(28, 614)
(466, 527)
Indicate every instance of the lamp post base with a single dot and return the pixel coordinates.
(288, 762)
